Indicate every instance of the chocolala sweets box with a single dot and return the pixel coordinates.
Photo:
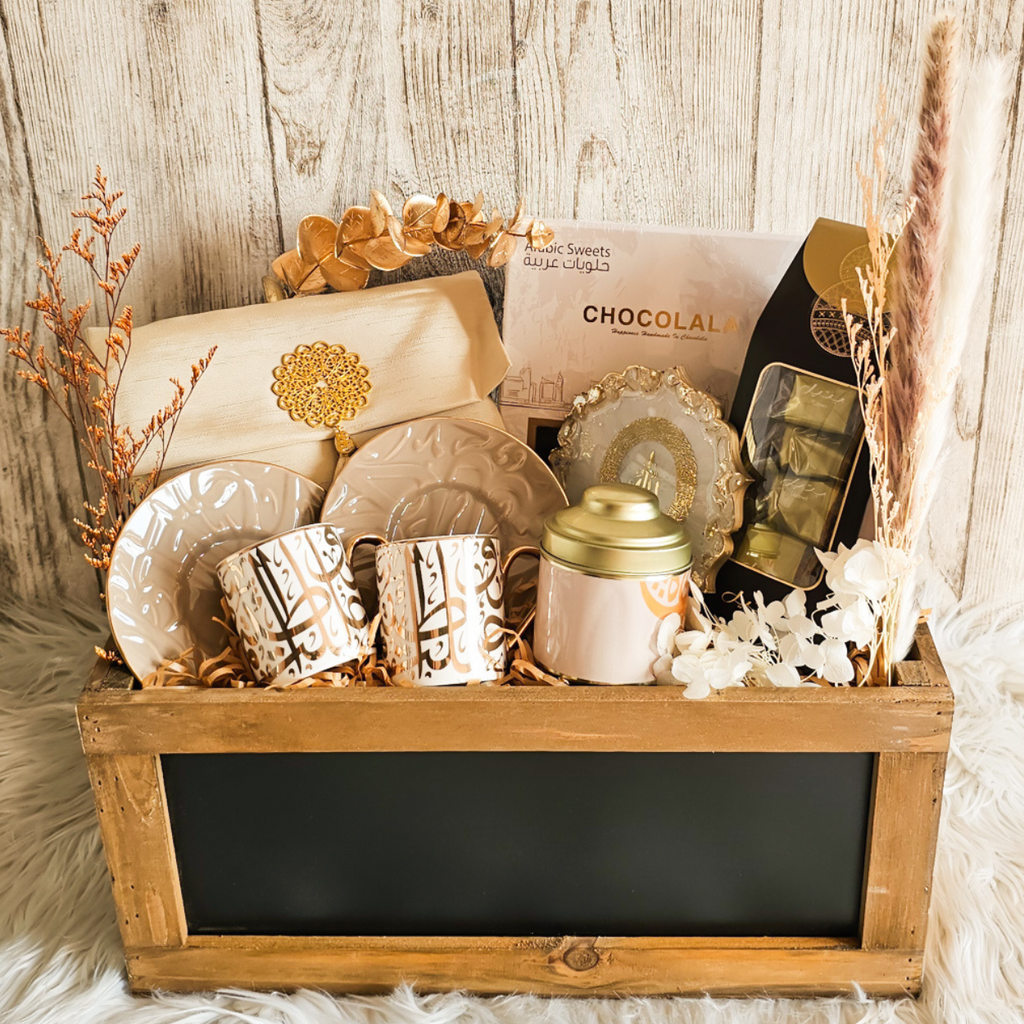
(605, 296)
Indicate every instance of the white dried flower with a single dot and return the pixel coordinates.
(777, 642)
(667, 631)
(793, 649)
(830, 661)
(865, 572)
(783, 674)
(750, 626)
(663, 671)
(855, 623)
(797, 619)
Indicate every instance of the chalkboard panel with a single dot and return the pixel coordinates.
(535, 843)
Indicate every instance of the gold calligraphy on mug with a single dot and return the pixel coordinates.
(295, 604)
(442, 608)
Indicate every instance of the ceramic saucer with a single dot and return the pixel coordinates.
(162, 590)
(437, 476)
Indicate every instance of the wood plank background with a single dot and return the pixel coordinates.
(228, 120)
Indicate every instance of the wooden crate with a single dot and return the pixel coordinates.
(125, 731)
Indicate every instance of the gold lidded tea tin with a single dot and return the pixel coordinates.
(611, 569)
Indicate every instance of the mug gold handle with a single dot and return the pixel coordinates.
(525, 549)
(362, 538)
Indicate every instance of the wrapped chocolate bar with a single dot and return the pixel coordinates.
(778, 555)
(756, 508)
(804, 506)
(763, 447)
(804, 451)
(824, 405)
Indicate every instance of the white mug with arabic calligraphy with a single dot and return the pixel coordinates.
(295, 604)
(442, 606)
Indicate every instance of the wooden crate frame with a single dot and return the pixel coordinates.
(124, 731)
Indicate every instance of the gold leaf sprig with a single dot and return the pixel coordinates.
(340, 256)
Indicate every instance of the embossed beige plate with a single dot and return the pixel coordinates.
(162, 590)
(653, 428)
(437, 476)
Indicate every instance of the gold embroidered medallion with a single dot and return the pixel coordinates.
(321, 384)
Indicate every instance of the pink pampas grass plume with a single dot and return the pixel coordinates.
(921, 253)
(974, 204)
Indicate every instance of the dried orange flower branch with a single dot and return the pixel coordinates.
(340, 256)
(83, 384)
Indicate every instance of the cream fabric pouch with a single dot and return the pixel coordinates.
(429, 347)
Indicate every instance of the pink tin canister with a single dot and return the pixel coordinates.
(611, 569)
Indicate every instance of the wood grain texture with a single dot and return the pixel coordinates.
(901, 849)
(514, 718)
(569, 966)
(448, 77)
(926, 653)
(449, 93)
(325, 105)
(993, 570)
(821, 68)
(638, 112)
(123, 731)
(130, 805)
(169, 98)
(40, 485)
(174, 111)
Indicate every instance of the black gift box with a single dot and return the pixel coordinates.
(800, 343)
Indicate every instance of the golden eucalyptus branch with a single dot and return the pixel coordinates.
(340, 256)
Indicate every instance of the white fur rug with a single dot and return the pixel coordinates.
(60, 961)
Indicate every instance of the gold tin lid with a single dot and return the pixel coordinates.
(617, 530)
